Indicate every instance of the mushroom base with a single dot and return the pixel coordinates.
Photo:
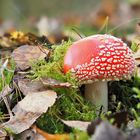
(97, 93)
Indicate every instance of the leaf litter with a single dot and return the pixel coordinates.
(26, 85)
(50, 82)
(40, 95)
(81, 125)
(29, 109)
(24, 55)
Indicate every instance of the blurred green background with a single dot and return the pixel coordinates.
(26, 14)
(24, 8)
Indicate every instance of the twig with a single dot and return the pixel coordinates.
(8, 107)
(3, 94)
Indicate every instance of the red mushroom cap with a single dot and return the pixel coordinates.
(99, 57)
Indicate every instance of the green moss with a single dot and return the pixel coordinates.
(54, 67)
(7, 75)
(50, 123)
(70, 105)
(73, 106)
(60, 50)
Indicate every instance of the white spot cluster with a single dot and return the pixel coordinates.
(114, 62)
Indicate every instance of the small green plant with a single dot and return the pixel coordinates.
(136, 113)
(122, 97)
(6, 74)
(134, 46)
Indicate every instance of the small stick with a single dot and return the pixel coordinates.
(8, 107)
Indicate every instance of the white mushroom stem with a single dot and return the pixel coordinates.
(97, 93)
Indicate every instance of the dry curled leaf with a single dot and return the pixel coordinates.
(27, 53)
(37, 102)
(81, 125)
(26, 86)
(29, 109)
(49, 82)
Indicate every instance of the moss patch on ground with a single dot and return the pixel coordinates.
(70, 104)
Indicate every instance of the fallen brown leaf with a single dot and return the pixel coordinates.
(27, 53)
(81, 125)
(49, 82)
(29, 109)
(26, 86)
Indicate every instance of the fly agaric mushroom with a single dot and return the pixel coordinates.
(97, 59)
